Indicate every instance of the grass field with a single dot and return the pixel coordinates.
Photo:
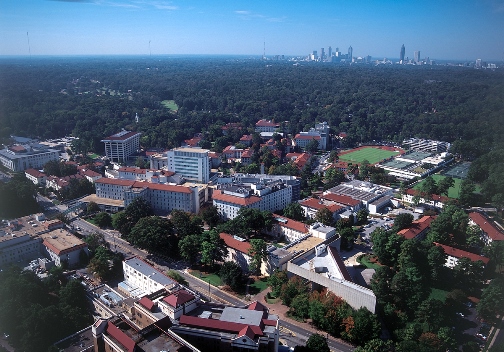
(438, 294)
(453, 192)
(214, 279)
(170, 104)
(258, 286)
(371, 154)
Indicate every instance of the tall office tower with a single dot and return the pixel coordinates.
(350, 53)
(417, 56)
(322, 54)
(329, 53)
(401, 56)
(315, 55)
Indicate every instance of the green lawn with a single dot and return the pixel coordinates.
(258, 286)
(170, 104)
(438, 294)
(364, 260)
(453, 192)
(213, 278)
(371, 154)
(93, 156)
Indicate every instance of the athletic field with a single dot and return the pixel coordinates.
(453, 192)
(372, 154)
(170, 104)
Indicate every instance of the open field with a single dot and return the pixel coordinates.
(170, 104)
(371, 154)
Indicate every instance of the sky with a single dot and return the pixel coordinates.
(439, 29)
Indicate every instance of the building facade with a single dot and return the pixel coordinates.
(21, 157)
(120, 146)
(192, 163)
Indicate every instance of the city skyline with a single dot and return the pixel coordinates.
(462, 30)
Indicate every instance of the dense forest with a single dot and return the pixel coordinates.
(94, 97)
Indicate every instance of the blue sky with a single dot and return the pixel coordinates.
(440, 29)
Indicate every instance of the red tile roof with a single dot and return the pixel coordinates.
(178, 298)
(256, 306)
(487, 226)
(218, 325)
(220, 196)
(459, 253)
(59, 252)
(306, 136)
(266, 123)
(269, 322)
(435, 197)
(247, 331)
(291, 224)
(121, 337)
(147, 303)
(231, 242)
(162, 187)
(17, 148)
(232, 125)
(315, 204)
(416, 227)
(134, 170)
(35, 173)
(342, 199)
(246, 137)
(117, 182)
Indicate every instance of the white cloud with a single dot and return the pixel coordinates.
(248, 15)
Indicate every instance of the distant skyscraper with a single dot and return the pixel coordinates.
(401, 56)
(322, 54)
(350, 53)
(329, 53)
(417, 56)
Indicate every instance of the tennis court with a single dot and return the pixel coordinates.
(397, 164)
(371, 154)
(458, 171)
(417, 156)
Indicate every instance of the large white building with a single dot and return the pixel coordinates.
(162, 197)
(141, 279)
(120, 146)
(21, 157)
(264, 194)
(191, 163)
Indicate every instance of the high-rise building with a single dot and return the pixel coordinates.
(401, 56)
(329, 52)
(315, 55)
(350, 53)
(120, 146)
(322, 54)
(417, 56)
(192, 163)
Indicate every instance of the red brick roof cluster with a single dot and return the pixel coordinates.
(459, 253)
(233, 243)
(126, 341)
(317, 204)
(487, 226)
(435, 197)
(147, 303)
(306, 136)
(267, 123)
(416, 227)
(138, 184)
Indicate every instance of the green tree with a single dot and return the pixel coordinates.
(210, 216)
(92, 207)
(324, 216)
(177, 277)
(294, 211)
(213, 248)
(155, 234)
(362, 215)
(124, 221)
(318, 343)
(427, 188)
(291, 289)
(347, 237)
(402, 221)
(312, 146)
(258, 254)
(332, 178)
(189, 248)
(466, 194)
(186, 223)
(366, 327)
(103, 219)
(276, 281)
(95, 240)
(444, 185)
(492, 299)
(99, 264)
(231, 274)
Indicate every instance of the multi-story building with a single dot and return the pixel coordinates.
(266, 126)
(31, 156)
(490, 231)
(61, 246)
(162, 197)
(191, 163)
(427, 145)
(247, 191)
(418, 229)
(453, 255)
(120, 146)
(141, 279)
(36, 176)
(401, 54)
(416, 56)
(373, 197)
